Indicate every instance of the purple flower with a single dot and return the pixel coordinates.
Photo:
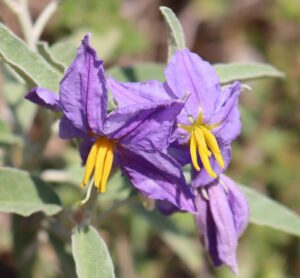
(205, 128)
(207, 124)
(135, 136)
(223, 215)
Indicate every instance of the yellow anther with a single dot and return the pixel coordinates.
(203, 152)
(187, 128)
(100, 161)
(200, 118)
(204, 141)
(107, 167)
(213, 145)
(210, 127)
(90, 163)
(193, 151)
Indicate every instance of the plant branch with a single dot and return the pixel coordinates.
(12, 6)
(21, 10)
(43, 18)
(31, 32)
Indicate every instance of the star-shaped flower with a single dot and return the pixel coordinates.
(207, 124)
(135, 135)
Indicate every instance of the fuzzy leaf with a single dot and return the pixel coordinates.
(91, 255)
(265, 211)
(64, 51)
(246, 71)
(28, 64)
(24, 194)
(176, 39)
(44, 50)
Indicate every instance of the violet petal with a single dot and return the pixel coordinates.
(158, 176)
(144, 126)
(45, 98)
(187, 73)
(83, 92)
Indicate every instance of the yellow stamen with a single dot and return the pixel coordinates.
(193, 151)
(107, 166)
(203, 152)
(100, 162)
(213, 145)
(200, 117)
(203, 140)
(210, 127)
(186, 127)
(90, 163)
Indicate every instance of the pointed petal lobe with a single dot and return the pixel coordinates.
(45, 98)
(187, 73)
(227, 238)
(157, 176)
(238, 204)
(83, 92)
(227, 115)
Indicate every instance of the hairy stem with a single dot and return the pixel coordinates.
(43, 19)
(31, 32)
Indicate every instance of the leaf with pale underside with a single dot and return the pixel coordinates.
(28, 64)
(90, 253)
(267, 212)
(44, 49)
(246, 71)
(176, 40)
(24, 194)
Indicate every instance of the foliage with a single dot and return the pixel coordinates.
(25, 193)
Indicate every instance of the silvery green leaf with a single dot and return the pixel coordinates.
(90, 253)
(24, 194)
(64, 51)
(246, 71)
(267, 212)
(44, 49)
(28, 64)
(176, 39)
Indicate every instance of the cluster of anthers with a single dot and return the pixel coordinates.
(204, 142)
(99, 162)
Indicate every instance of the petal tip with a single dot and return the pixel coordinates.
(234, 269)
(86, 38)
(31, 94)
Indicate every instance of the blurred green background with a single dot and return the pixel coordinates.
(266, 156)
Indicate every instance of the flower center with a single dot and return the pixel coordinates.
(99, 161)
(204, 142)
